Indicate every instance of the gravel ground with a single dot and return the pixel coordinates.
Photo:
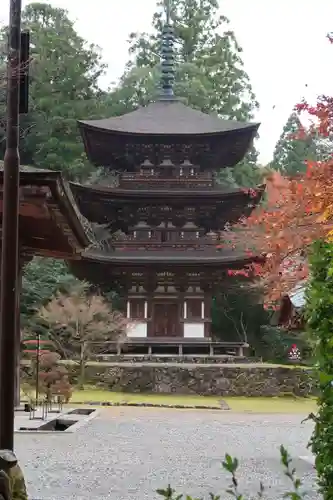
(127, 453)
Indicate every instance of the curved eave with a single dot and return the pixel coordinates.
(94, 136)
(71, 211)
(59, 199)
(116, 193)
(88, 196)
(151, 259)
(86, 125)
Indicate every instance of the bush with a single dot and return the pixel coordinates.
(320, 325)
(231, 465)
(52, 377)
(276, 342)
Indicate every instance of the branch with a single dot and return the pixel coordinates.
(233, 321)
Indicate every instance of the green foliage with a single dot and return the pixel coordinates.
(63, 88)
(209, 72)
(208, 55)
(230, 465)
(238, 315)
(275, 343)
(291, 151)
(320, 325)
(42, 278)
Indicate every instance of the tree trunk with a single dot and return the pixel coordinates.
(82, 366)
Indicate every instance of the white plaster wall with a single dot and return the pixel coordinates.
(136, 330)
(194, 330)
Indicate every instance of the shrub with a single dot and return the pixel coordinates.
(52, 377)
(320, 325)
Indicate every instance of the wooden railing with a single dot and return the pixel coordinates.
(139, 181)
(205, 345)
(154, 244)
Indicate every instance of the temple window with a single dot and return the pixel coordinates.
(194, 308)
(137, 309)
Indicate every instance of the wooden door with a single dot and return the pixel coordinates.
(166, 320)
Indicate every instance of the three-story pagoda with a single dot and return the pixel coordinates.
(168, 204)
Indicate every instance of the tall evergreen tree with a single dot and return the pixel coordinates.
(63, 88)
(295, 147)
(210, 74)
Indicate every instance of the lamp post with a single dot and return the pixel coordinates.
(9, 255)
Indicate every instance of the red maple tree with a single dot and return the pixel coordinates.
(296, 211)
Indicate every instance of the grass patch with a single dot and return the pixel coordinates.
(236, 404)
(100, 395)
(272, 405)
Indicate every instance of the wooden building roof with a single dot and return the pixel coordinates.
(129, 139)
(210, 257)
(119, 208)
(168, 117)
(121, 266)
(50, 223)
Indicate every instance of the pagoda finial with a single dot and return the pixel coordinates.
(167, 56)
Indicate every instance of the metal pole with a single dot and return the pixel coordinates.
(9, 257)
(37, 369)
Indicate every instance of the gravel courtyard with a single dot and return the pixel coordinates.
(127, 453)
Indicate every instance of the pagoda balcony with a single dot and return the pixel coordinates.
(153, 244)
(143, 181)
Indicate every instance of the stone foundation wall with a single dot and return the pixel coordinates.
(216, 380)
(145, 358)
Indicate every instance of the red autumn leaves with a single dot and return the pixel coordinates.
(296, 212)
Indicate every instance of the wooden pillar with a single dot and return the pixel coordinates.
(207, 306)
(18, 334)
(181, 300)
(185, 310)
(150, 287)
(23, 260)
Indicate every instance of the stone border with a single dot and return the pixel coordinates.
(310, 459)
(73, 428)
(223, 405)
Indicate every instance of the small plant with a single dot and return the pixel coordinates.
(231, 466)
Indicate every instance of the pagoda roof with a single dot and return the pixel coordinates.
(208, 257)
(100, 267)
(168, 117)
(101, 204)
(110, 193)
(50, 223)
(122, 142)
